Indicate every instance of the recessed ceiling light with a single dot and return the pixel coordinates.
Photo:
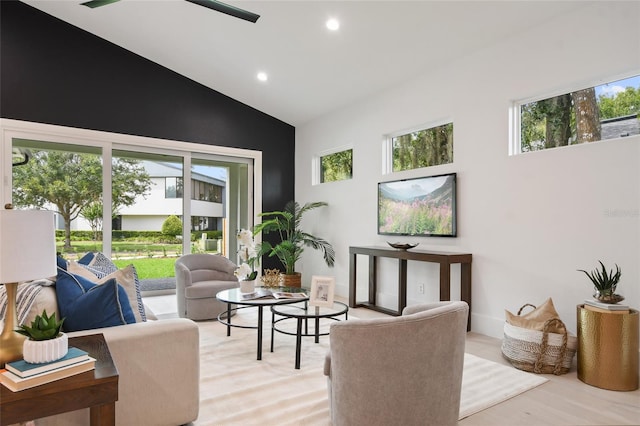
(333, 24)
(262, 76)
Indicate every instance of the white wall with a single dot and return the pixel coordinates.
(530, 220)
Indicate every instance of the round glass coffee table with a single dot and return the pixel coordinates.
(305, 313)
(236, 300)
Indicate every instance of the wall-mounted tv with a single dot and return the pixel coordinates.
(424, 206)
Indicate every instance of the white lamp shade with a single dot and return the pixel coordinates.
(27, 245)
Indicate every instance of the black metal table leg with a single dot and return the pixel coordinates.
(273, 326)
(259, 333)
(298, 343)
(228, 319)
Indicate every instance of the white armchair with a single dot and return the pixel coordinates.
(404, 370)
(199, 277)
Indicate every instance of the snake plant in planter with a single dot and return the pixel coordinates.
(45, 340)
(293, 239)
(605, 284)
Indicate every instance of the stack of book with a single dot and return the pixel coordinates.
(20, 375)
(597, 306)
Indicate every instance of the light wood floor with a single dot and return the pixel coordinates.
(563, 400)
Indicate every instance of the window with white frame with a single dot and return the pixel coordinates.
(591, 114)
(336, 166)
(104, 161)
(332, 165)
(426, 147)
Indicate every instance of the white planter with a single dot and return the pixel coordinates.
(247, 286)
(41, 351)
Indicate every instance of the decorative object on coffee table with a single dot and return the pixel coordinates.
(271, 278)
(45, 340)
(247, 286)
(293, 239)
(27, 252)
(605, 284)
(322, 291)
(246, 272)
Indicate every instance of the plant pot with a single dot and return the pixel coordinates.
(292, 280)
(41, 351)
(247, 286)
(607, 297)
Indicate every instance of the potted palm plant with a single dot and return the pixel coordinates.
(293, 239)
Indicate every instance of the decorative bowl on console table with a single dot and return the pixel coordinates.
(402, 246)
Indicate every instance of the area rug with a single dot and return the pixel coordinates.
(237, 389)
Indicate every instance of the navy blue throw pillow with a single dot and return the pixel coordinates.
(86, 305)
(86, 259)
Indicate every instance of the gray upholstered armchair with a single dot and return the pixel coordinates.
(199, 277)
(404, 370)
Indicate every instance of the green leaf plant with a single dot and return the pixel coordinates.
(604, 282)
(43, 327)
(293, 239)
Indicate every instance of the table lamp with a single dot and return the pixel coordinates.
(27, 252)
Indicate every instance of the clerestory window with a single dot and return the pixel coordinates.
(426, 147)
(607, 111)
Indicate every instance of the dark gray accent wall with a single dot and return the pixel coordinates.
(52, 72)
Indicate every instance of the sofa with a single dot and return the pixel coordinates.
(157, 362)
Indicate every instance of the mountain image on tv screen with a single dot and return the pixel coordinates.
(420, 206)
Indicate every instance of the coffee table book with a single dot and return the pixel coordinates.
(266, 293)
(16, 383)
(606, 306)
(23, 368)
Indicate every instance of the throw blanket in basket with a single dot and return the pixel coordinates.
(26, 295)
(538, 341)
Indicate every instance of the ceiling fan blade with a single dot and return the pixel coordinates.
(97, 3)
(222, 7)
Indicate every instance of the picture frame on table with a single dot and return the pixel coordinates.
(322, 291)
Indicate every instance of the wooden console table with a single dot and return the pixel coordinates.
(445, 260)
(96, 389)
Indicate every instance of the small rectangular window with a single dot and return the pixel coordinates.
(423, 148)
(173, 187)
(593, 114)
(336, 166)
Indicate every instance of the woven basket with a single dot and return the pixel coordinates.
(539, 351)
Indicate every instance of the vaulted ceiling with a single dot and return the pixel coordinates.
(311, 70)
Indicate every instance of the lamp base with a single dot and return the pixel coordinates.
(11, 343)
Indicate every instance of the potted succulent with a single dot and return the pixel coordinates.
(605, 284)
(45, 340)
(293, 239)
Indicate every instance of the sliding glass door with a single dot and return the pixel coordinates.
(143, 202)
(66, 179)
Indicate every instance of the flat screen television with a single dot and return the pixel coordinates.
(424, 206)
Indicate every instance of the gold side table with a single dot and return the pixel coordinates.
(608, 349)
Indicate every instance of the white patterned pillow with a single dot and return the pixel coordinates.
(102, 268)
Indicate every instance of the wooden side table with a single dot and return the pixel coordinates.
(608, 349)
(96, 390)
